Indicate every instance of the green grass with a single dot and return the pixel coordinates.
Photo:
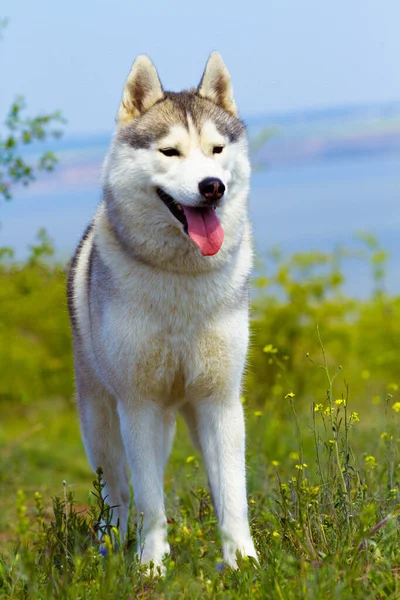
(318, 486)
(322, 450)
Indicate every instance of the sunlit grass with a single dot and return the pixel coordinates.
(323, 501)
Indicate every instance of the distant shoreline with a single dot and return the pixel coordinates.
(276, 139)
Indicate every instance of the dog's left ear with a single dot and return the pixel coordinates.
(216, 84)
(141, 91)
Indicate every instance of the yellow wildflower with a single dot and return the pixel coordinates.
(396, 406)
(269, 349)
(386, 436)
(243, 400)
(300, 467)
(370, 462)
(290, 395)
(340, 401)
(275, 463)
(317, 407)
(294, 455)
(276, 534)
(354, 418)
(190, 459)
(258, 413)
(393, 387)
(328, 411)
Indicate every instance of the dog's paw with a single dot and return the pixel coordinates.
(152, 554)
(241, 550)
(151, 570)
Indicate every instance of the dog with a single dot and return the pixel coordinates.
(158, 295)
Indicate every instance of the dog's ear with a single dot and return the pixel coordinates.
(216, 84)
(141, 91)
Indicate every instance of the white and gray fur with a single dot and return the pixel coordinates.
(157, 327)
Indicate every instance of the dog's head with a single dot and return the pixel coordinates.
(180, 160)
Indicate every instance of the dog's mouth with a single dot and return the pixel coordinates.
(200, 223)
(174, 207)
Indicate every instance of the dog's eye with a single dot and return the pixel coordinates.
(170, 152)
(217, 149)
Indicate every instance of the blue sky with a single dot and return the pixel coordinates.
(282, 54)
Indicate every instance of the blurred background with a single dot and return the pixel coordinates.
(317, 84)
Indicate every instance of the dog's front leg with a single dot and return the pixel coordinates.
(143, 432)
(220, 428)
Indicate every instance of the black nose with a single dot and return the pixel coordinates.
(212, 189)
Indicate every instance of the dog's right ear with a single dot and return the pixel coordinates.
(141, 91)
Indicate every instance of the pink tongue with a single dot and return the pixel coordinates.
(204, 229)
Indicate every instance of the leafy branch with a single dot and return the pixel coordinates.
(23, 130)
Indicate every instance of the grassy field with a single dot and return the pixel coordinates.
(323, 416)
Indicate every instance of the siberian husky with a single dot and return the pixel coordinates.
(158, 299)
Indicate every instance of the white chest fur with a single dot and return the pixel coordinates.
(171, 335)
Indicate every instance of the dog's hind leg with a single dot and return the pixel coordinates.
(147, 435)
(103, 442)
